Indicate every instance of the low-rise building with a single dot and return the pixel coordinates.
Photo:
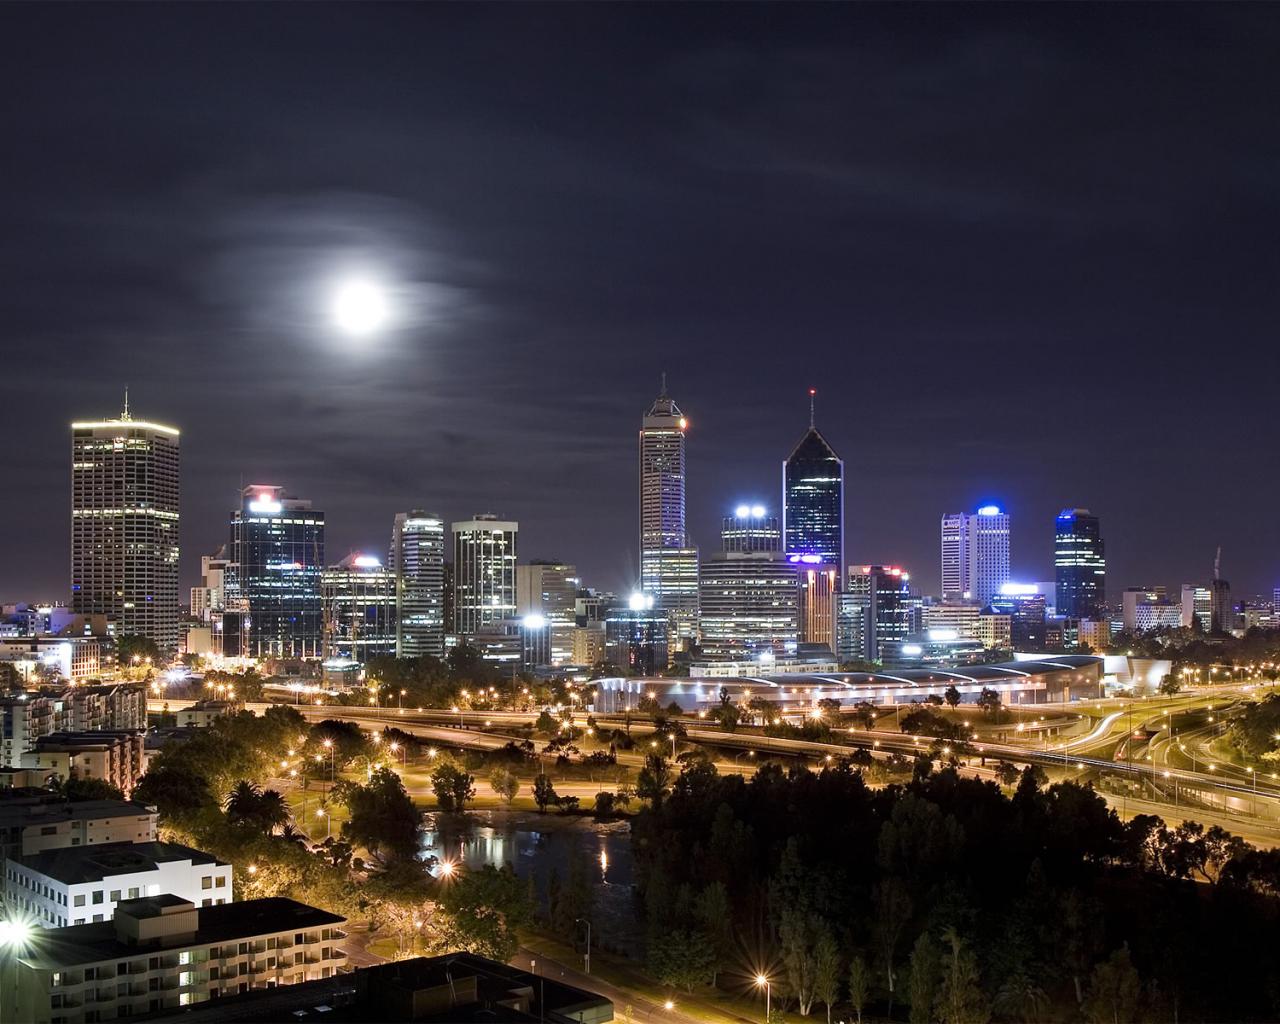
(78, 885)
(31, 822)
(204, 713)
(118, 758)
(53, 658)
(162, 952)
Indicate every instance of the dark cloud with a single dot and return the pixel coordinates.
(1026, 253)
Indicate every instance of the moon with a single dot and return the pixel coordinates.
(359, 307)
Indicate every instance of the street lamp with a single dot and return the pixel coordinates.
(328, 821)
(587, 957)
(767, 985)
(15, 937)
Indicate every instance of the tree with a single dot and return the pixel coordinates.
(76, 788)
(859, 985)
(952, 697)
(604, 803)
(452, 785)
(893, 909)
(864, 713)
(654, 780)
(504, 783)
(131, 646)
(1021, 998)
(1114, 990)
(175, 787)
(1170, 685)
(383, 818)
(989, 701)
(715, 919)
(681, 958)
(485, 907)
(544, 793)
(960, 999)
(830, 707)
(922, 981)
(727, 715)
(1007, 773)
(826, 970)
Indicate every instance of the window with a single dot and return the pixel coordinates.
(133, 892)
(79, 901)
(97, 918)
(97, 895)
(220, 882)
(213, 973)
(115, 895)
(206, 882)
(206, 902)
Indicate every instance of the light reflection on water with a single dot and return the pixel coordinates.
(535, 846)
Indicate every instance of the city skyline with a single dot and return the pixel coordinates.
(541, 281)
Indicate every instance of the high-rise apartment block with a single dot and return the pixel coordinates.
(416, 557)
(272, 580)
(484, 574)
(975, 554)
(124, 525)
(668, 561)
(1080, 565)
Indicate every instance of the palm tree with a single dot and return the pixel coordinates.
(291, 835)
(1020, 997)
(243, 803)
(272, 811)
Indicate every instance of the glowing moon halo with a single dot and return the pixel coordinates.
(359, 307)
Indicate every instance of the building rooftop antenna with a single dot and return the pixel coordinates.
(813, 392)
(125, 414)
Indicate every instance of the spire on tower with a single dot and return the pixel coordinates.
(663, 393)
(125, 414)
(812, 395)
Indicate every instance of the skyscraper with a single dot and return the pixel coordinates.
(272, 580)
(813, 498)
(882, 593)
(358, 596)
(416, 557)
(484, 573)
(749, 593)
(548, 591)
(975, 554)
(124, 526)
(668, 562)
(1080, 565)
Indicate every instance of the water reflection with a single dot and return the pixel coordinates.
(536, 846)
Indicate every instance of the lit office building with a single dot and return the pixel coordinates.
(749, 595)
(272, 581)
(637, 637)
(416, 557)
(668, 562)
(358, 596)
(548, 591)
(813, 498)
(819, 589)
(1028, 615)
(881, 594)
(208, 598)
(484, 574)
(124, 526)
(1222, 612)
(1197, 607)
(1080, 565)
(961, 616)
(975, 554)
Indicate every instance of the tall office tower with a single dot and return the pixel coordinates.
(272, 581)
(748, 595)
(124, 526)
(358, 596)
(549, 591)
(207, 599)
(668, 562)
(636, 636)
(416, 557)
(1222, 612)
(975, 554)
(819, 589)
(484, 573)
(1080, 565)
(1026, 608)
(813, 498)
(1197, 607)
(750, 528)
(883, 593)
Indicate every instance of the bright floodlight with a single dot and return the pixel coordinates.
(534, 622)
(359, 307)
(640, 602)
(742, 511)
(757, 511)
(14, 933)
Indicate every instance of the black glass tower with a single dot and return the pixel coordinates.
(813, 500)
(1080, 566)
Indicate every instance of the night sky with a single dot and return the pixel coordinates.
(1027, 255)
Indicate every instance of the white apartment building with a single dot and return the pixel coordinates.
(163, 953)
(85, 884)
(975, 554)
(30, 825)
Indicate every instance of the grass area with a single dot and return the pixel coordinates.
(303, 806)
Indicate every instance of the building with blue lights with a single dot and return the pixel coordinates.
(1080, 565)
(272, 579)
(975, 554)
(813, 499)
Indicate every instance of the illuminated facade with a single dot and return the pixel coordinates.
(272, 580)
(637, 637)
(416, 557)
(882, 595)
(819, 589)
(549, 591)
(358, 596)
(124, 526)
(1080, 565)
(668, 562)
(1027, 612)
(484, 574)
(1197, 607)
(975, 554)
(813, 499)
(749, 596)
